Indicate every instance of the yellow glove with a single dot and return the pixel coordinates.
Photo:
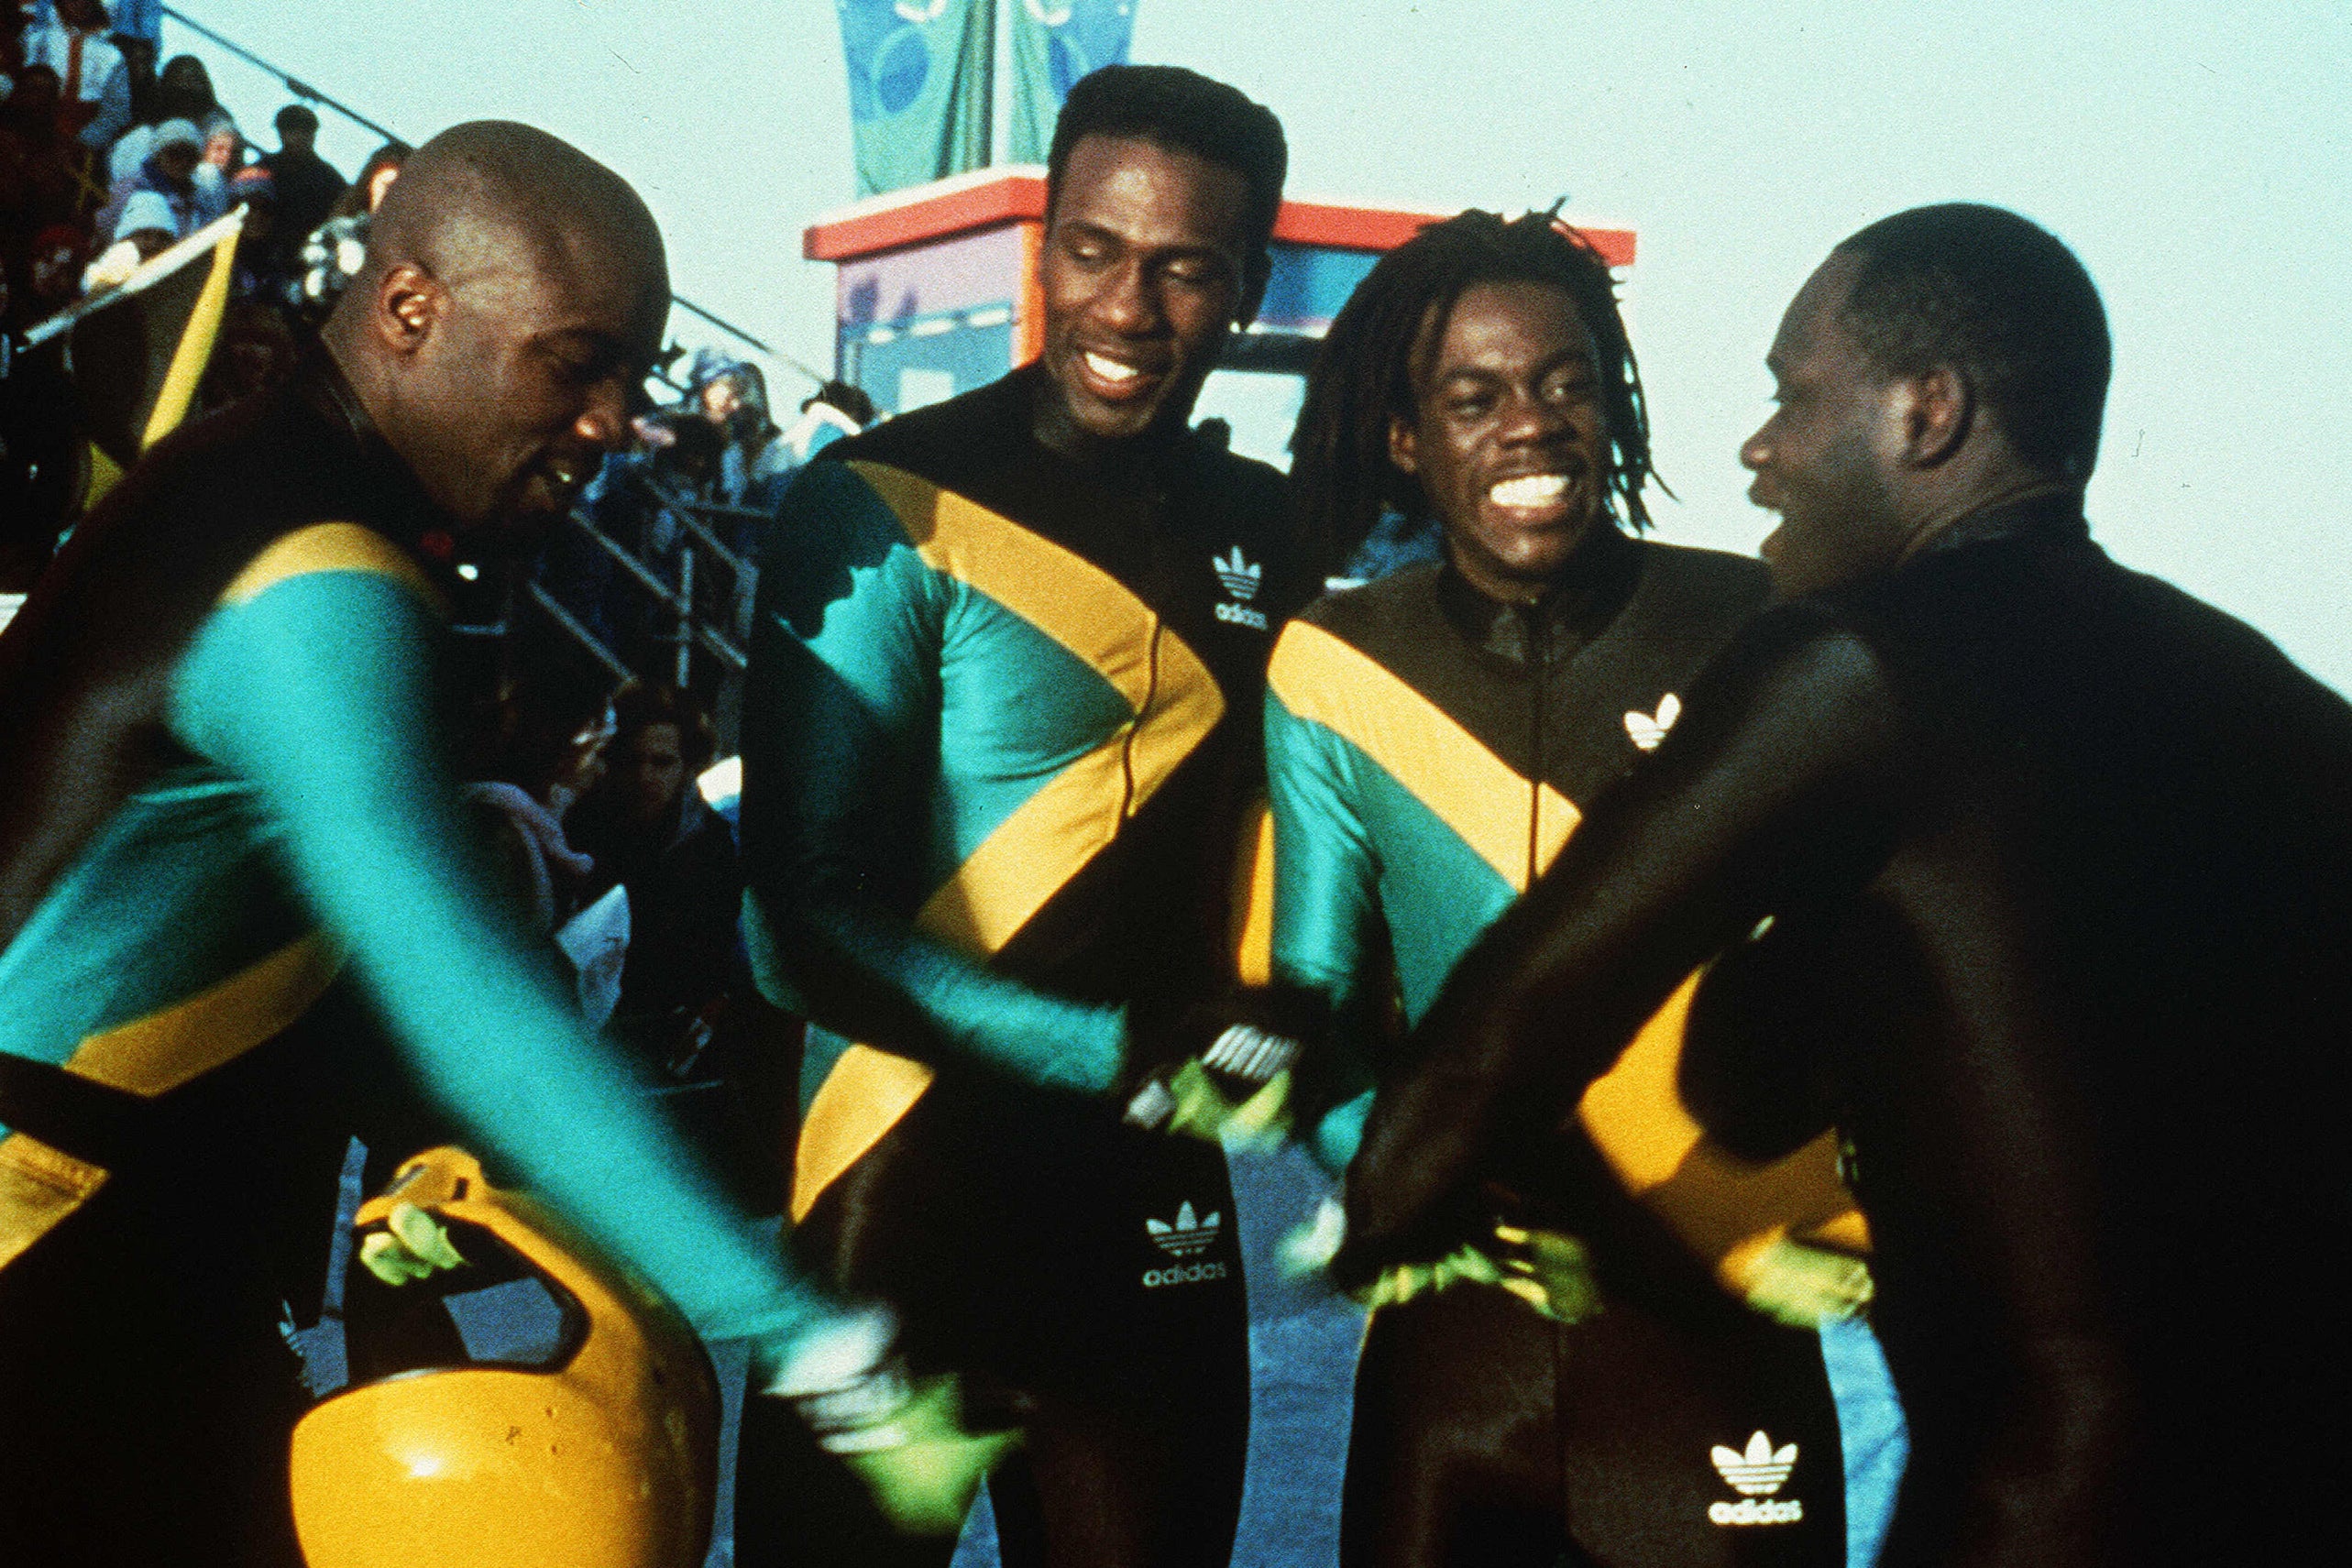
(412, 1245)
(1800, 1285)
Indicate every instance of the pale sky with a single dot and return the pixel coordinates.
(2197, 156)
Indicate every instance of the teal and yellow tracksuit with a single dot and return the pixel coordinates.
(231, 861)
(1000, 738)
(1429, 752)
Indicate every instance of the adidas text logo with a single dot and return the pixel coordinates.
(1186, 1236)
(1648, 729)
(1756, 1474)
(1240, 577)
(1241, 615)
(1190, 1274)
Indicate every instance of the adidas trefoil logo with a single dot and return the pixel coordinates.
(1648, 729)
(1179, 1241)
(1239, 576)
(1757, 1475)
(1761, 1471)
(1187, 1235)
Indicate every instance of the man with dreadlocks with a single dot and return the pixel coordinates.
(1430, 740)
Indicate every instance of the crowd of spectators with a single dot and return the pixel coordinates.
(105, 161)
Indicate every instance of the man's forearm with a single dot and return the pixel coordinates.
(1771, 788)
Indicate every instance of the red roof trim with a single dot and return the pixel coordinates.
(1006, 199)
(1016, 196)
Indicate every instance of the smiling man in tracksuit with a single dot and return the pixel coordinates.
(1432, 739)
(2058, 870)
(1000, 732)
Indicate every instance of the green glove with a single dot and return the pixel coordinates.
(1235, 1091)
(905, 1439)
(412, 1245)
(926, 1478)
(1805, 1287)
(1550, 1272)
(1405, 1281)
(1206, 1110)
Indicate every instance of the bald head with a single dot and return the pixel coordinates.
(484, 200)
(511, 306)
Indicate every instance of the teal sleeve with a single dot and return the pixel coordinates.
(842, 731)
(318, 692)
(1327, 909)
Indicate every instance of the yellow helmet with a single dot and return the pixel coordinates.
(602, 1454)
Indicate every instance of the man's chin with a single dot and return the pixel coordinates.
(1165, 407)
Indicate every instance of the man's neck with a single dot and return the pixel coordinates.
(1111, 456)
(2007, 489)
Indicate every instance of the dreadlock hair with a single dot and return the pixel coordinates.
(1362, 375)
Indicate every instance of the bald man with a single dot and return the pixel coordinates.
(230, 858)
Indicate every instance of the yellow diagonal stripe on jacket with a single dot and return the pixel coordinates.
(1050, 837)
(1724, 1208)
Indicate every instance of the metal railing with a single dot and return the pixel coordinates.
(701, 626)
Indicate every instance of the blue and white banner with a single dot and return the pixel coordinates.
(1055, 42)
(920, 87)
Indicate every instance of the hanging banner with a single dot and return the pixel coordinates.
(1055, 42)
(919, 88)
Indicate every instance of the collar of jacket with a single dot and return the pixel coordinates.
(2057, 515)
(1591, 589)
(407, 513)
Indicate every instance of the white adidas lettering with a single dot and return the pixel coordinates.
(1241, 615)
(1191, 1274)
(1241, 579)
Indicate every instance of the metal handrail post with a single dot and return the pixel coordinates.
(569, 624)
(727, 653)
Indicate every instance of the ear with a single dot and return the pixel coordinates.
(1401, 450)
(1935, 411)
(410, 304)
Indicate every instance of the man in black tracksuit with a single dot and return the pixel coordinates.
(1000, 734)
(2060, 887)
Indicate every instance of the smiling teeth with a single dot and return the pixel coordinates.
(1111, 369)
(1529, 491)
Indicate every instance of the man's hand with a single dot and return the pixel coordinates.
(1222, 1072)
(1802, 1285)
(1401, 1282)
(1197, 1100)
(1550, 1271)
(904, 1437)
(412, 1245)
